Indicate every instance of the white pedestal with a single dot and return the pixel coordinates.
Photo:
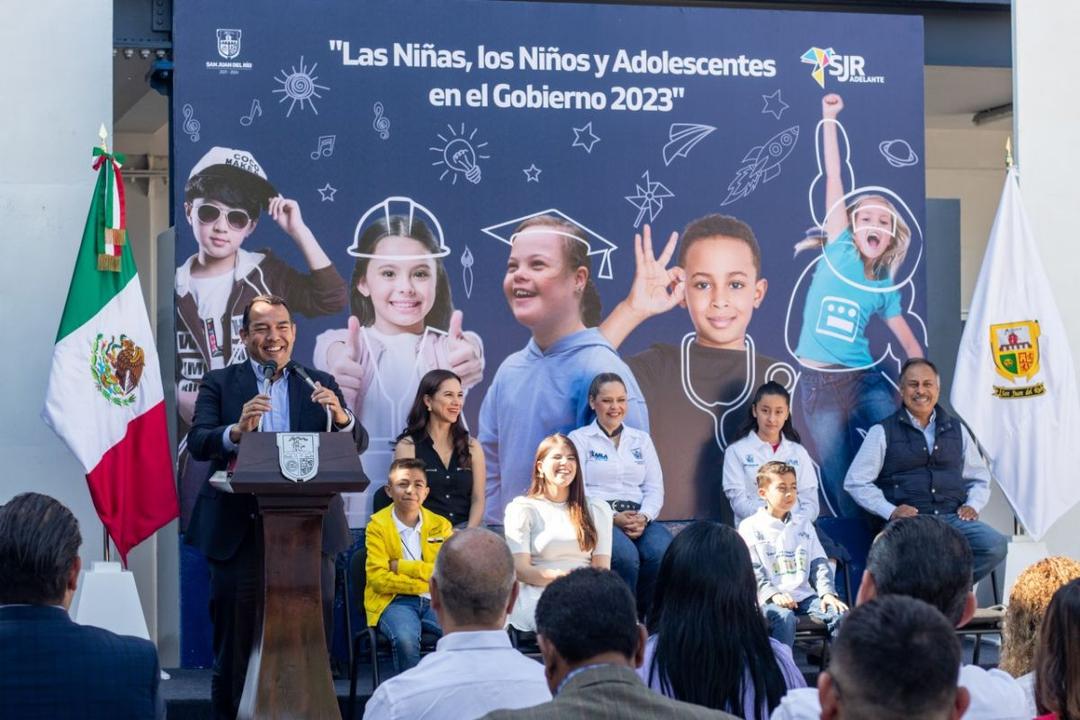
(106, 597)
(1023, 551)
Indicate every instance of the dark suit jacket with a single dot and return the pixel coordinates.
(220, 521)
(51, 667)
(609, 691)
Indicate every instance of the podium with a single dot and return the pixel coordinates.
(288, 673)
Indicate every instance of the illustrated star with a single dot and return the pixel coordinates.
(649, 199)
(327, 192)
(532, 173)
(585, 138)
(774, 104)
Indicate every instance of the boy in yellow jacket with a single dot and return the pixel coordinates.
(402, 541)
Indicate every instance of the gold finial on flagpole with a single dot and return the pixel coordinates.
(1008, 153)
(103, 134)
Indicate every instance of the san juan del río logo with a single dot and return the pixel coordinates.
(1015, 347)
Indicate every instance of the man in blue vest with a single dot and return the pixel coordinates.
(920, 461)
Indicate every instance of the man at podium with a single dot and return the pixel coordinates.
(272, 394)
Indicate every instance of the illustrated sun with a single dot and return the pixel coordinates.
(300, 87)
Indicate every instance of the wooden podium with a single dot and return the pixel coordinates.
(289, 674)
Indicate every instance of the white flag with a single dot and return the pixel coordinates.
(1014, 381)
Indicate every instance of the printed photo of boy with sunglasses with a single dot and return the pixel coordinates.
(226, 192)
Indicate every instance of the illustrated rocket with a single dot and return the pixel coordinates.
(762, 163)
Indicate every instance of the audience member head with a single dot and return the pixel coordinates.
(1057, 656)
(710, 631)
(1028, 600)
(777, 486)
(924, 558)
(872, 676)
(406, 484)
(39, 551)
(587, 617)
(472, 587)
(557, 477)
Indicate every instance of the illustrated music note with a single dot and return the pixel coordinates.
(325, 147)
(256, 109)
(381, 123)
(191, 125)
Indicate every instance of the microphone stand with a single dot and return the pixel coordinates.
(303, 374)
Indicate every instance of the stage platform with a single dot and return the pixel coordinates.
(187, 693)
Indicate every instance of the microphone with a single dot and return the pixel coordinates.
(267, 370)
(303, 375)
(297, 368)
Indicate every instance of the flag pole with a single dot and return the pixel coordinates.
(1018, 527)
(103, 135)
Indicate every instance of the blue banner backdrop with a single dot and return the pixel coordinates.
(475, 115)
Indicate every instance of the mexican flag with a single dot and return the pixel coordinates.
(105, 395)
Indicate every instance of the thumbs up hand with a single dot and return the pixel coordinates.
(465, 352)
(352, 366)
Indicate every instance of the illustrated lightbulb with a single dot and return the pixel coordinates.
(460, 156)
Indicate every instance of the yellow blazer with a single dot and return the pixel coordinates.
(383, 545)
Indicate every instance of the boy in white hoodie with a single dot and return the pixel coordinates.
(793, 574)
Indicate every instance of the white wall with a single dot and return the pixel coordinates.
(55, 99)
(1048, 155)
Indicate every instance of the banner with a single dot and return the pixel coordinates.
(468, 119)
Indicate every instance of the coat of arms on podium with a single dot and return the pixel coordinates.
(298, 455)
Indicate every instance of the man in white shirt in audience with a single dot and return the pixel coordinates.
(927, 559)
(474, 669)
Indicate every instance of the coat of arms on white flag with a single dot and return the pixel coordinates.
(1015, 383)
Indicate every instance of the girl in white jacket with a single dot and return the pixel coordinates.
(768, 435)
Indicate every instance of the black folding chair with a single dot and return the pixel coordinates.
(366, 640)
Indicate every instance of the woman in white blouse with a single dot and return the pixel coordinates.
(768, 435)
(620, 466)
(554, 528)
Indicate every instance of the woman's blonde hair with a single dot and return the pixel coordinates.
(886, 264)
(1028, 601)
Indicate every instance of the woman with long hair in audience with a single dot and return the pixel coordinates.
(1057, 657)
(554, 528)
(620, 466)
(436, 433)
(1028, 600)
(708, 643)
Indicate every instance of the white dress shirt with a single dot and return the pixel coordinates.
(410, 540)
(741, 462)
(469, 675)
(868, 462)
(995, 695)
(630, 471)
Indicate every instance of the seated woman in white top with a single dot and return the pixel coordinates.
(554, 528)
(768, 435)
(620, 466)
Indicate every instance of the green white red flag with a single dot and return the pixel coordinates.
(105, 396)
